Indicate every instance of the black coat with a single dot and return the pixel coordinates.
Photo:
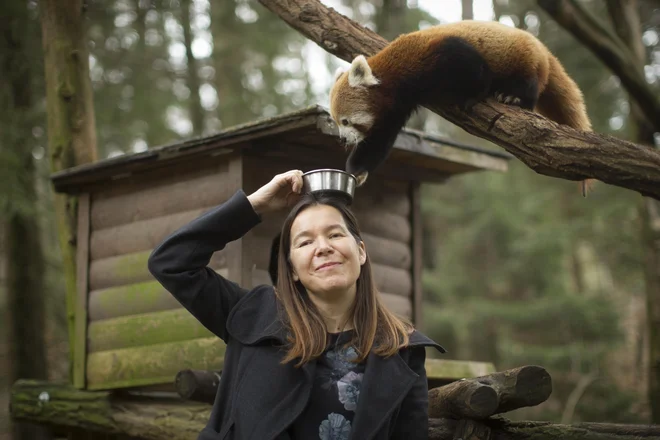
(258, 398)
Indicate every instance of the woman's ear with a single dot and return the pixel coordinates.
(296, 278)
(363, 253)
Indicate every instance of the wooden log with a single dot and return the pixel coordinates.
(199, 189)
(154, 364)
(394, 199)
(132, 268)
(387, 252)
(145, 329)
(392, 280)
(383, 223)
(484, 396)
(138, 236)
(60, 405)
(197, 385)
(472, 430)
(132, 299)
(397, 304)
(502, 429)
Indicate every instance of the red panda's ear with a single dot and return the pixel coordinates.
(360, 73)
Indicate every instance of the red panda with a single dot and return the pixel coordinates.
(459, 63)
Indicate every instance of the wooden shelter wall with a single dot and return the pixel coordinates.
(137, 333)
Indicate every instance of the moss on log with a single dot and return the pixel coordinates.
(102, 412)
(144, 330)
(155, 364)
(172, 419)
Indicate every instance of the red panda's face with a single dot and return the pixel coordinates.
(350, 101)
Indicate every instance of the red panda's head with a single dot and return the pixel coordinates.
(354, 100)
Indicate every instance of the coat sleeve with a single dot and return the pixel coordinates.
(180, 262)
(413, 419)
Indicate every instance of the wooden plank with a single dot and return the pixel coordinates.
(119, 206)
(392, 280)
(387, 252)
(133, 299)
(154, 364)
(417, 253)
(380, 222)
(145, 329)
(139, 235)
(82, 285)
(132, 268)
(235, 249)
(397, 304)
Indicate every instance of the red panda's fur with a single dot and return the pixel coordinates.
(465, 61)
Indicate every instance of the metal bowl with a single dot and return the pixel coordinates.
(329, 181)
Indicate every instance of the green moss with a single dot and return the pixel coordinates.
(152, 364)
(145, 329)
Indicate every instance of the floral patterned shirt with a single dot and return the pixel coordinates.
(333, 401)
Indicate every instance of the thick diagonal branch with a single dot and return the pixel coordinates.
(544, 146)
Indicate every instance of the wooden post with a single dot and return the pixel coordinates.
(71, 127)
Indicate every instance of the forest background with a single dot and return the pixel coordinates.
(519, 269)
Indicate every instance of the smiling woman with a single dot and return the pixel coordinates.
(318, 356)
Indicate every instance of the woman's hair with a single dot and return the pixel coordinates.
(375, 326)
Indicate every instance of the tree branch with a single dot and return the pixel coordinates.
(544, 146)
(610, 49)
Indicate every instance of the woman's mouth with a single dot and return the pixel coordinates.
(327, 266)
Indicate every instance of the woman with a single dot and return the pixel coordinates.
(318, 357)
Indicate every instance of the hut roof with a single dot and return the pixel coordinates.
(307, 132)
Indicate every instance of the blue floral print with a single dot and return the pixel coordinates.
(335, 427)
(349, 389)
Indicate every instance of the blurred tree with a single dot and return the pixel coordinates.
(25, 269)
(71, 125)
(196, 110)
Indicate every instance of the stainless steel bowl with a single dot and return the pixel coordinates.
(333, 182)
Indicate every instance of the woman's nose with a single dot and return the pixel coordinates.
(323, 246)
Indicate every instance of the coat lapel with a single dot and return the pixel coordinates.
(386, 382)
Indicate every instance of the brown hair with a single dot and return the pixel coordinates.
(375, 327)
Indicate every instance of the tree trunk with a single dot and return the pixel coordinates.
(544, 146)
(196, 109)
(71, 126)
(467, 10)
(25, 265)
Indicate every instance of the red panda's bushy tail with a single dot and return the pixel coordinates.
(563, 102)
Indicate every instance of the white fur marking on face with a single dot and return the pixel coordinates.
(362, 118)
(360, 74)
(351, 134)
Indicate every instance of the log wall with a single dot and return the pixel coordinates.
(136, 333)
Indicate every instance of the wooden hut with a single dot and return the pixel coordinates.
(130, 332)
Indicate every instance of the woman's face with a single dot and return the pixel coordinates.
(325, 257)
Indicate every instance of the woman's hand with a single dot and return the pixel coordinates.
(281, 192)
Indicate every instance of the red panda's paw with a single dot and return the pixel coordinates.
(507, 99)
